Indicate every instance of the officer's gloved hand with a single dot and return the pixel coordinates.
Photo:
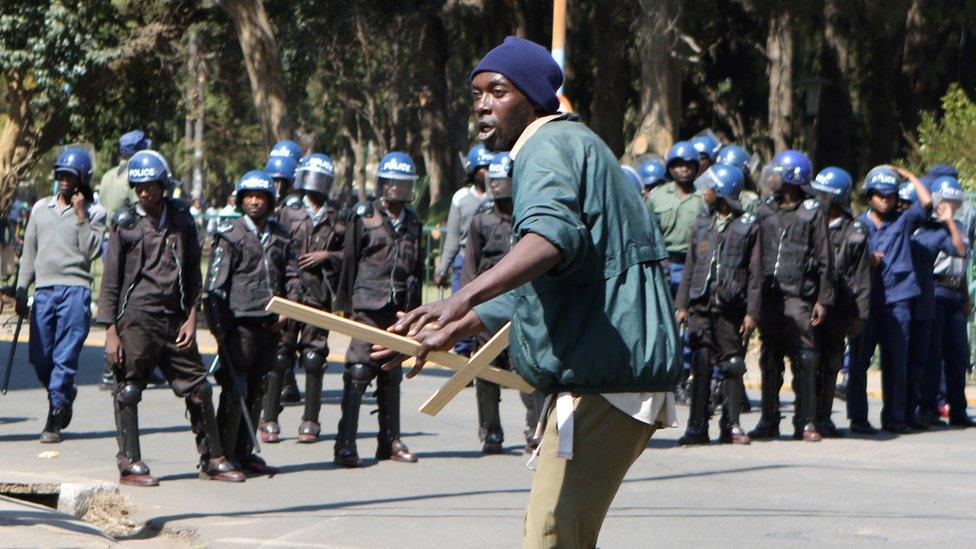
(21, 302)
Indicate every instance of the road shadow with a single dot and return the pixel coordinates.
(50, 520)
(89, 435)
(12, 420)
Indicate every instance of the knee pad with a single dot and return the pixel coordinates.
(129, 394)
(283, 361)
(313, 362)
(806, 358)
(361, 373)
(735, 366)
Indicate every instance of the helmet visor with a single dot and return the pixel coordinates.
(397, 190)
(316, 182)
(770, 179)
(706, 181)
(500, 188)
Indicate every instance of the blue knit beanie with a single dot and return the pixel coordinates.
(529, 66)
(133, 142)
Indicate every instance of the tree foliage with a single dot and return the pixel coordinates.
(947, 137)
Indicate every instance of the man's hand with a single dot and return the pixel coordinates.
(313, 259)
(681, 317)
(113, 346)
(80, 205)
(876, 258)
(439, 280)
(187, 333)
(818, 314)
(748, 326)
(857, 326)
(944, 212)
(437, 337)
(440, 312)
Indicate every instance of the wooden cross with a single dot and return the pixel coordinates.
(465, 370)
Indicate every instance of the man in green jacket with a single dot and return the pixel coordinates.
(584, 289)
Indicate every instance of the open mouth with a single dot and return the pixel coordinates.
(485, 130)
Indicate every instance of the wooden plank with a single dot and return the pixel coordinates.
(461, 378)
(398, 343)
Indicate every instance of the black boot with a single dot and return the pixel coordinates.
(771, 369)
(229, 416)
(389, 445)
(697, 431)
(269, 429)
(52, 427)
(355, 380)
(826, 388)
(314, 365)
(132, 470)
(490, 432)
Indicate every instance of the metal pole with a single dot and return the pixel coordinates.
(559, 35)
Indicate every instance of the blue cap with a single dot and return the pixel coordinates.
(132, 142)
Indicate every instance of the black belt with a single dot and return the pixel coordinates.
(953, 282)
(677, 257)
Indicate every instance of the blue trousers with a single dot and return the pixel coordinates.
(58, 327)
(464, 346)
(949, 349)
(675, 270)
(918, 356)
(888, 326)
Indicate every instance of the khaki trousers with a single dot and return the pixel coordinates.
(570, 498)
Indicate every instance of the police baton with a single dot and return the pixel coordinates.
(10, 356)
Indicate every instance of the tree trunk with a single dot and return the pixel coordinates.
(660, 77)
(263, 68)
(438, 152)
(836, 120)
(609, 103)
(779, 51)
(912, 87)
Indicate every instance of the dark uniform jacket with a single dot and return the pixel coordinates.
(797, 258)
(381, 266)
(249, 272)
(489, 239)
(723, 270)
(325, 232)
(154, 270)
(849, 240)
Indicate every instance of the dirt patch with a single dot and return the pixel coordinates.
(111, 513)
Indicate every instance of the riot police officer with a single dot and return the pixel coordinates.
(740, 158)
(290, 213)
(489, 239)
(251, 260)
(719, 300)
(652, 173)
(848, 240)
(320, 263)
(798, 286)
(382, 272)
(148, 302)
(708, 147)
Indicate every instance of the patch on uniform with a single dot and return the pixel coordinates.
(859, 226)
(811, 203)
(747, 218)
(486, 206)
(705, 212)
(225, 227)
(345, 214)
(293, 202)
(364, 209)
(125, 218)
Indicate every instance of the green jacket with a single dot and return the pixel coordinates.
(601, 321)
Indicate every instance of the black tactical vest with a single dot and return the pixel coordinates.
(788, 262)
(721, 270)
(259, 271)
(387, 259)
(496, 235)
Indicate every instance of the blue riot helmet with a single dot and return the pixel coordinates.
(500, 176)
(286, 148)
(946, 187)
(906, 192)
(255, 180)
(881, 180)
(318, 173)
(788, 167)
(397, 177)
(683, 153)
(633, 177)
(479, 157)
(833, 185)
(707, 145)
(78, 162)
(148, 166)
(652, 173)
(735, 155)
(725, 180)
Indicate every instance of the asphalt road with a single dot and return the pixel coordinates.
(911, 490)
